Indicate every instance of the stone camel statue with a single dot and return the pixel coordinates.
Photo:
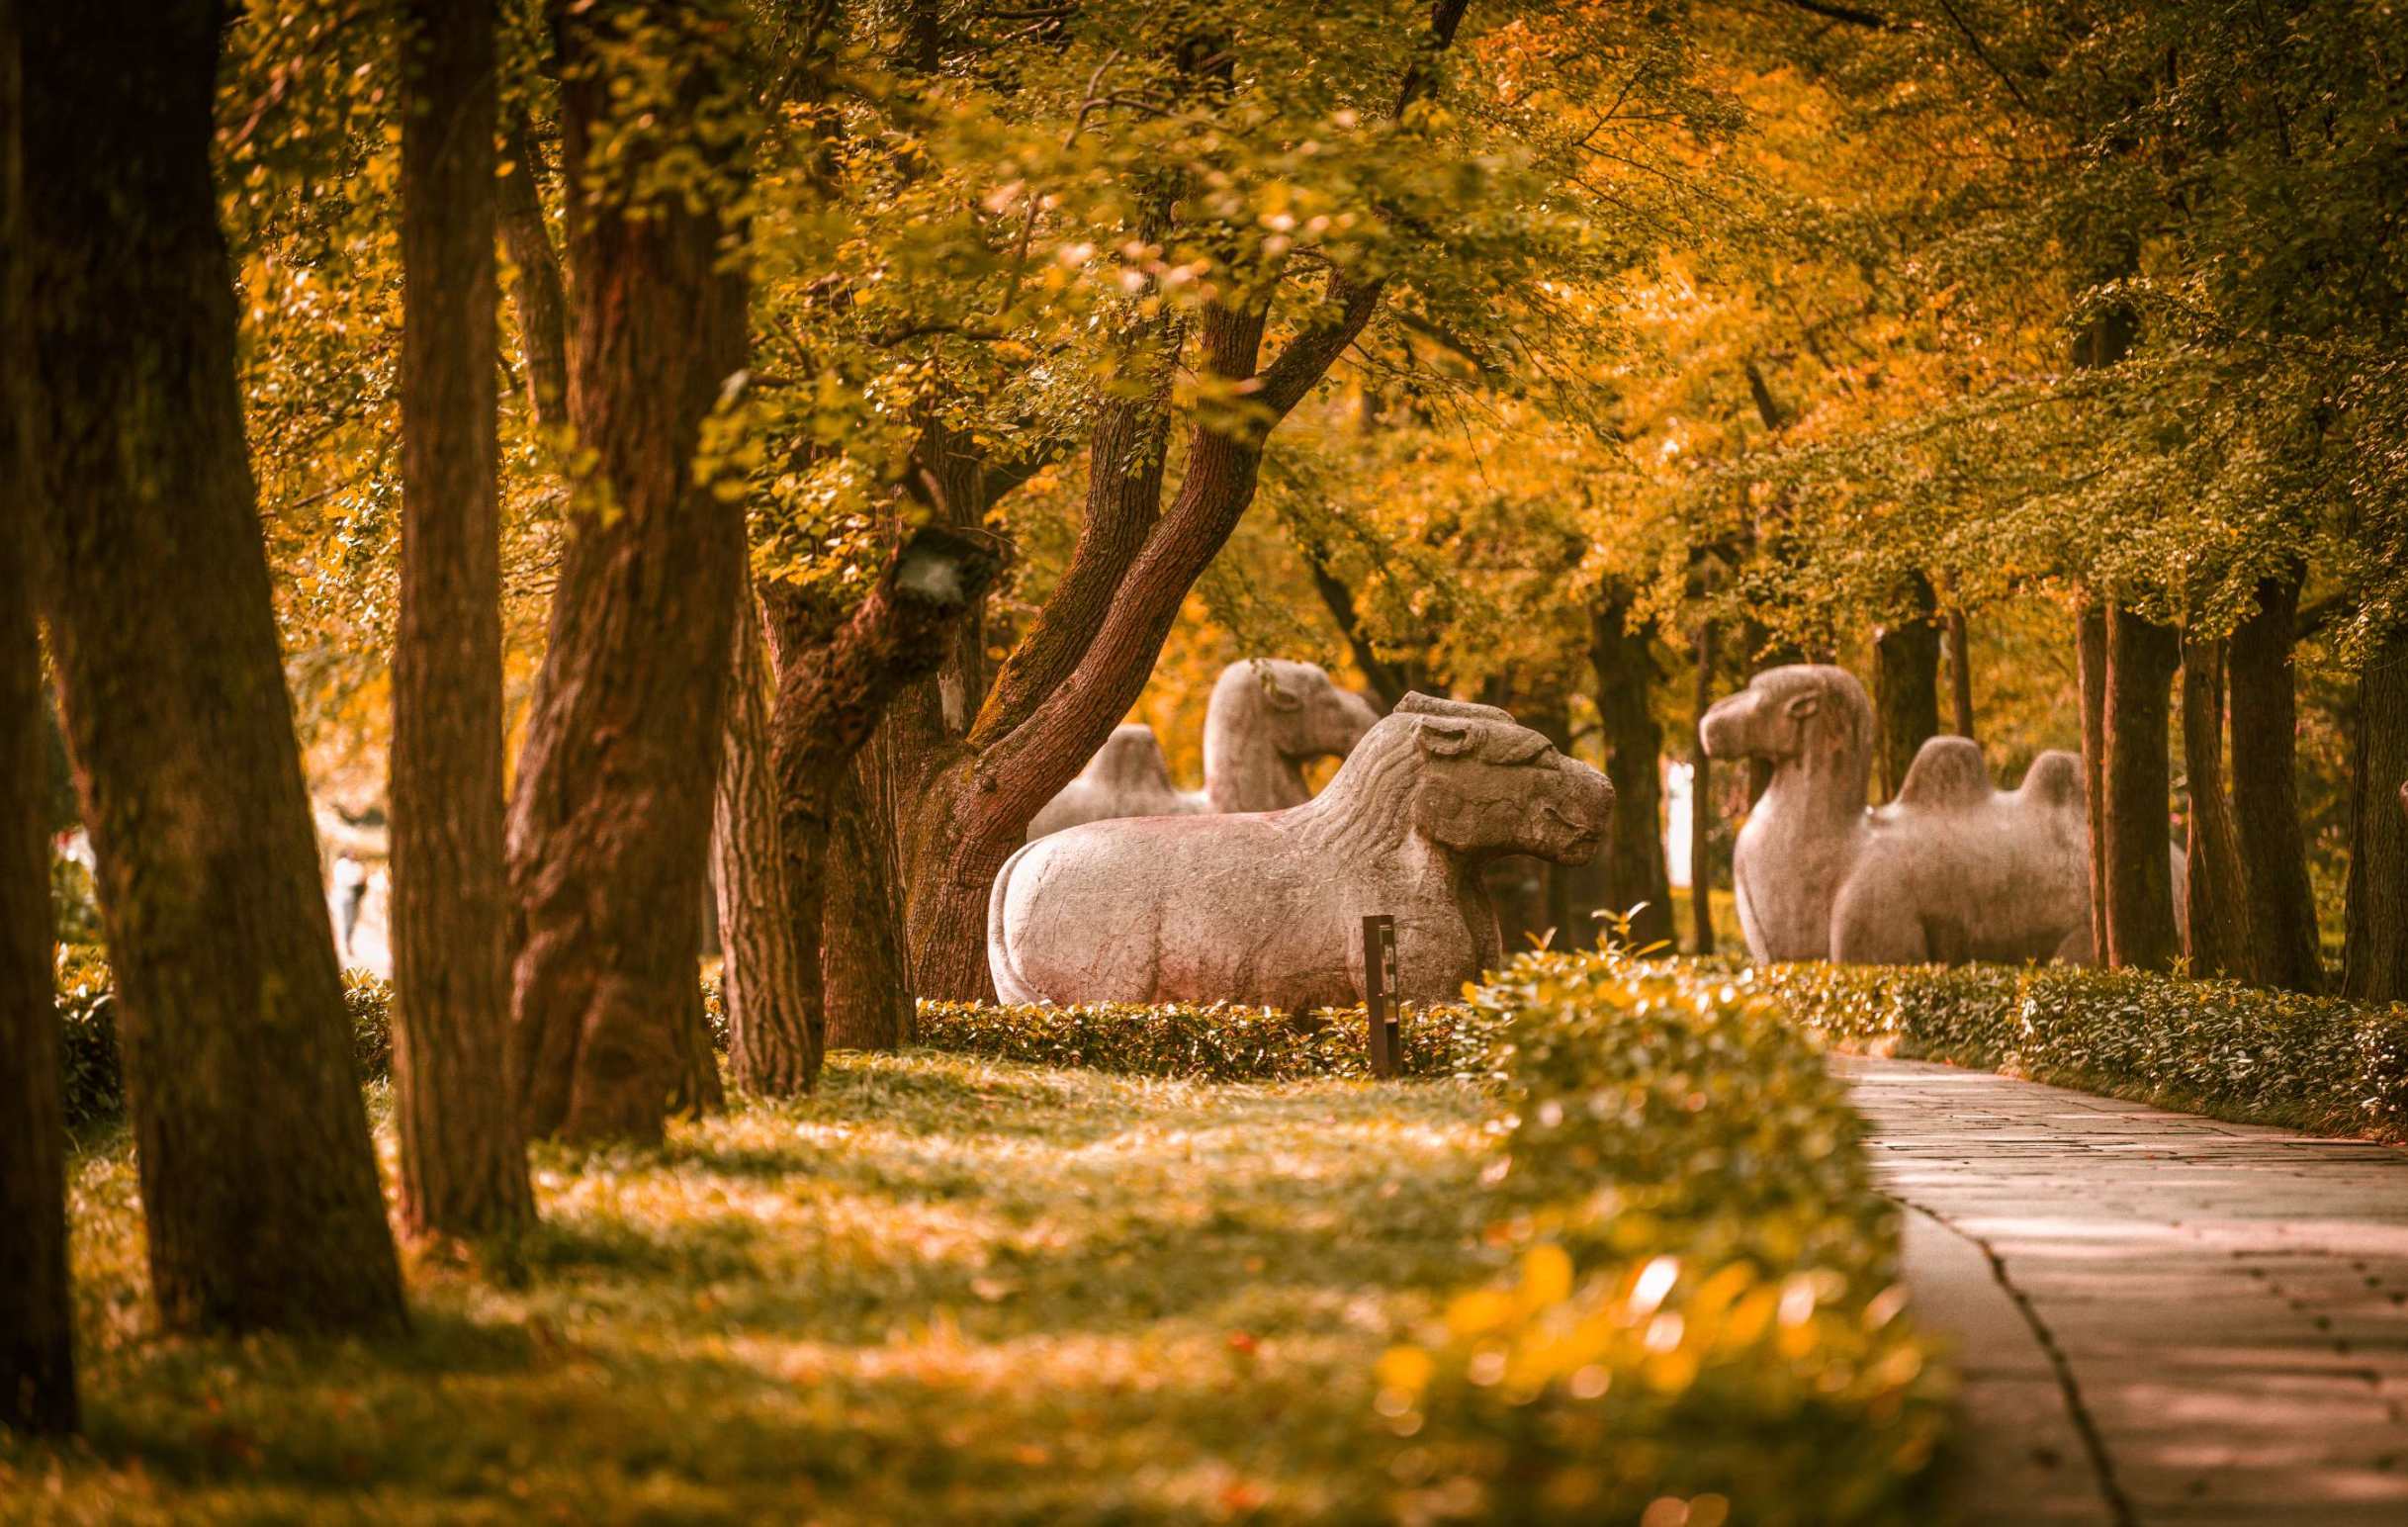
(1266, 907)
(1268, 718)
(1950, 871)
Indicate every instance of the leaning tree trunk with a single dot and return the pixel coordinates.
(464, 1159)
(1906, 686)
(1636, 872)
(2215, 909)
(2265, 792)
(867, 1002)
(37, 1313)
(2374, 960)
(1701, 802)
(610, 826)
(762, 979)
(2142, 930)
(2090, 651)
(259, 1188)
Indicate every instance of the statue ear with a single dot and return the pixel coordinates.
(1444, 739)
(1280, 697)
(1803, 706)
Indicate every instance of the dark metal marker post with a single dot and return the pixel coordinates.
(1379, 991)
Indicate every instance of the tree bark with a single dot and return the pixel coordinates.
(834, 686)
(610, 826)
(36, 1309)
(259, 1188)
(762, 979)
(2215, 909)
(2374, 960)
(464, 1161)
(1960, 672)
(869, 1002)
(537, 294)
(2091, 652)
(1906, 686)
(2142, 931)
(1635, 871)
(2266, 791)
(1701, 802)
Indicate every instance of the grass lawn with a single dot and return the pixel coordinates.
(944, 1290)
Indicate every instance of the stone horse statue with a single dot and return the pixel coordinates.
(1268, 718)
(1950, 871)
(1266, 907)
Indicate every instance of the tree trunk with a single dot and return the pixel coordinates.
(2142, 931)
(2265, 792)
(1960, 672)
(37, 1311)
(1906, 686)
(762, 979)
(2374, 960)
(834, 688)
(1636, 872)
(464, 1161)
(610, 826)
(2217, 907)
(1701, 802)
(537, 294)
(259, 1188)
(868, 1000)
(2090, 651)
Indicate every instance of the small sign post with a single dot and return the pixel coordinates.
(1380, 993)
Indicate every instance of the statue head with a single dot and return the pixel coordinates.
(1296, 709)
(1801, 713)
(1485, 784)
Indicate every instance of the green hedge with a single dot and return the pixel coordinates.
(2316, 1063)
(1220, 1041)
(1705, 1302)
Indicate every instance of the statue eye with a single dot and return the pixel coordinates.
(1803, 706)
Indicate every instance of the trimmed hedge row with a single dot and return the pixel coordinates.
(1705, 1302)
(1222, 1041)
(2314, 1064)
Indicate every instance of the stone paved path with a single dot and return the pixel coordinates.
(2161, 1318)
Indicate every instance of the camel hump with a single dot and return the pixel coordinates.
(2054, 781)
(1948, 771)
(1129, 759)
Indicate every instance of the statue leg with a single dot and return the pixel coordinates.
(1870, 929)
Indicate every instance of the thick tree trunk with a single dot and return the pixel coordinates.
(37, 1313)
(1701, 802)
(1906, 686)
(2374, 960)
(2216, 908)
(610, 826)
(1636, 872)
(464, 1160)
(1960, 673)
(2091, 652)
(868, 1002)
(259, 1189)
(762, 979)
(2142, 931)
(2266, 791)
(834, 688)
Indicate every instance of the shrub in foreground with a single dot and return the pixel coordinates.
(2318, 1064)
(1704, 1306)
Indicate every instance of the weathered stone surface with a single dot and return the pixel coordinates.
(1952, 870)
(1127, 777)
(1268, 719)
(1266, 907)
